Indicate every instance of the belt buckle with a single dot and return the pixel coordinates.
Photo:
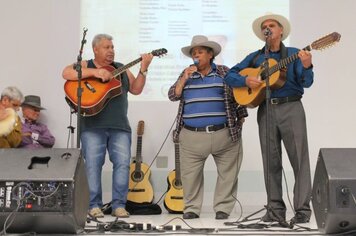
(274, 101)
(207, 129)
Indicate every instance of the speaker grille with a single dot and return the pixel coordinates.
(43, 191)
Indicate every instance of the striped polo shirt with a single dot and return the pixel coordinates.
(204, 100)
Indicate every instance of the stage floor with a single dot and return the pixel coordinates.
(205, 225)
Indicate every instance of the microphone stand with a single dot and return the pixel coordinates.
(266, 74)
(267, 102)
(78, 67)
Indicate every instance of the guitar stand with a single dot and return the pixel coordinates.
(71, 130)
(246, 219)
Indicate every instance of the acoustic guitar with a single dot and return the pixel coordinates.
(96, 94)
(173, 201)
(140, 188)
(253, 97)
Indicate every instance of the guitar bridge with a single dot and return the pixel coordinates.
(176, 198)
(137, 190)
(89, 86)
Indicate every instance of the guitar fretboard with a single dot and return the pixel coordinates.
(157, 52)
(177, 164)
(283, 63)
(138, 158)
(125, 67)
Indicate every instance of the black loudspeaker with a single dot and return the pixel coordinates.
(334, 190)
(43, 191)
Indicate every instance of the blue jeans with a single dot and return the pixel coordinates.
(95, 142)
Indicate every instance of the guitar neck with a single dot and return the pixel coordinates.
(125, 67)
(177, 163)
(158, 53)
(284, 62)
(138, 154)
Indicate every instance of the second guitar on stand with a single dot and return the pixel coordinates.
(140, 188)
(173, 200)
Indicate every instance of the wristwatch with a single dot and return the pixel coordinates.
(143, 73)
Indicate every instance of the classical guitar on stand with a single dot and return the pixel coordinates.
(173, 200)
(96, 94)
(254, 97)
(140, 188)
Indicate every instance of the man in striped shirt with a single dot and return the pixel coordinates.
(209, 121)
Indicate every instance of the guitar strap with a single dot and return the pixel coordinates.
(283, 52)
(254, 59)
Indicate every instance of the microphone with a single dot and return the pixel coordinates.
(267, 32)
(196, 62)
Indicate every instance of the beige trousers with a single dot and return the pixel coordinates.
(195, 147)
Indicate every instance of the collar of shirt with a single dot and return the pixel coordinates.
(197, 75)
(30, 121)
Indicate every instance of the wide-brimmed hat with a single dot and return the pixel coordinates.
(33, 101)
(201, 41)
(256, 25)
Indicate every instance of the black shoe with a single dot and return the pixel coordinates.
(220, 215)
(269, 217)
(190, 215)
(300, 218)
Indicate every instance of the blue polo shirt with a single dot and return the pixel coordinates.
(204, 100)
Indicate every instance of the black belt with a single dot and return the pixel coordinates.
(276, 101)
(208, 129)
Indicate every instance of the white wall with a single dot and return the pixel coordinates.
(40, 37)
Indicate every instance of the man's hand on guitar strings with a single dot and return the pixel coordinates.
(103, 74)
(305, 58)
(146, 61)
(253, 82)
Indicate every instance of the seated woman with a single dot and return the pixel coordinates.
(10, 123)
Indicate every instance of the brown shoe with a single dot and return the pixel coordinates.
(96, 212)
(220, 215)
(120, 213)
(190, 215)
(270, 217)
(300, 218)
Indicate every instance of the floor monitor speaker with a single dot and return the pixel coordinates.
(334, 190)
(43, 191)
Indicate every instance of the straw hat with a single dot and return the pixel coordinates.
(256, 25)
(201, 41)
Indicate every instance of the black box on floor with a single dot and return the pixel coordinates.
(43, 191)
(334, 190)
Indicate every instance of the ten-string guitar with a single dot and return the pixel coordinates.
(96, 94)
(253, 97)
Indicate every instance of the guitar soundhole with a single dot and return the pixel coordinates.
(177, 184)
(137, 176)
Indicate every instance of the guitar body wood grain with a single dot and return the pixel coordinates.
(173, 200)
(140, 188)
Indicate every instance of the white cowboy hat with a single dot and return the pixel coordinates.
(256, 25)
(201, 40)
